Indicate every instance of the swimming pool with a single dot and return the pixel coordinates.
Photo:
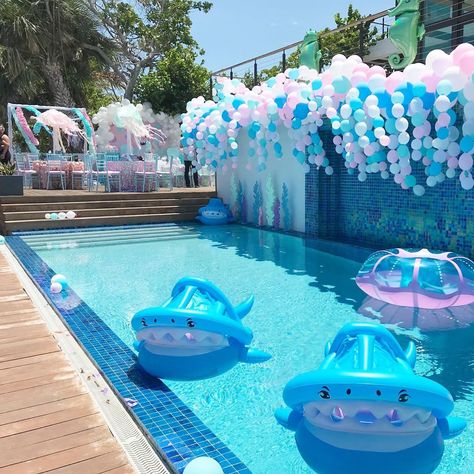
(302, 297)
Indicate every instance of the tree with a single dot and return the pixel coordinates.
(354, 40)
(143, 32)
(176, 79)
(40, 47)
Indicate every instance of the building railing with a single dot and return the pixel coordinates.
(250, 69)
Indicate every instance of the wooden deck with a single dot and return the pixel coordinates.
(48, 421)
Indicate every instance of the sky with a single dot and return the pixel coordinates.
(236, 30)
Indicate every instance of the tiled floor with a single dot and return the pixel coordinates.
(48, 421)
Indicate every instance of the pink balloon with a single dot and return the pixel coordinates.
(384, 140)
(466, 63)
(460, 51)
(395, 79)
(453, 163)
(376, 70)
(361, 67)
(430, 81)
(443, 120)
(392, 156)
(358, 77)
(465, 161)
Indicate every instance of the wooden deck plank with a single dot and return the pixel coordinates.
(44, 410)
(57, 412)
(65, 461)
(39, 395)
(102, 463)
(48, 421)
(52, 446)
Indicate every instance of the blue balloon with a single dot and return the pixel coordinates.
(356, 104)
(364, 90)
(434, 169)
(466, 144)
(301, 111)
(403, 151)
(316, 84)
(346, 126)
(418, 119)
(378, 122)
(226, 116)
(272, 127)
(277, 147)
(428, 100)
(410, 180)
(341, 84)
(296, 123)
(237, 102)
(443, 133)
(280, 101)
(419, 89)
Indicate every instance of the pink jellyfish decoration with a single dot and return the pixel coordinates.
(418, 278)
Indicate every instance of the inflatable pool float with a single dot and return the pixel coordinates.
(365, 411)
(215, 213)
(418, 278)
(194, 335)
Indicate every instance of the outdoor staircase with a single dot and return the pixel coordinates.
(100, 209)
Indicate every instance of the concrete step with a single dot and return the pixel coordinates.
(76, 205)
(43, 224)
(70, 196)
(97, 212)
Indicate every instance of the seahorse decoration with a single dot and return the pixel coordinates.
(405, 33)
(310, 53)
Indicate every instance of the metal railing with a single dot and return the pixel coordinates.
(251, 69)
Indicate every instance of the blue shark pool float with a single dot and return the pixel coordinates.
(365, 411)
(215, 213)
(194, 335)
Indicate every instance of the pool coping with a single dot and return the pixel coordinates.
(177, 434)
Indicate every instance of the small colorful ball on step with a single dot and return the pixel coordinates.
(56, 287)
(61, 279)
(54, 216)
(203, 465)
(70, 215)
(62, 215)
(47, 215)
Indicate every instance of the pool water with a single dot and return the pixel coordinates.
(302, 297)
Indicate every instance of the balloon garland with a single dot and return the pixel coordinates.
(380, 124)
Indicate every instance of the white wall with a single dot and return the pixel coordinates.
(282, 170)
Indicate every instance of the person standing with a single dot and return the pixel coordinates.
(188, 166)
(4, 146)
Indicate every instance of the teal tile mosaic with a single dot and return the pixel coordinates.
(379, 214)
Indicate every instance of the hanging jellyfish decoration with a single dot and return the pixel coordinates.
(22, 125)
(87, 124)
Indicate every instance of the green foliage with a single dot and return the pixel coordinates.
(347, 42)
(7, 169)
(176, 79)
(42, 53)
(145, 32)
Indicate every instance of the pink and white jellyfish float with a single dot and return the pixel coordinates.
(418, 278)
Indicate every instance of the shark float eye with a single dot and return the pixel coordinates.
(143, 321)
(190, 323)
(324, 393)
(403, 396)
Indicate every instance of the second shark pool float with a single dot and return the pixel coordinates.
(215, 213)
(365, 410)
(194, 335)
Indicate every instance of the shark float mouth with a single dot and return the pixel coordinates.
(181, 341)
(378, 427)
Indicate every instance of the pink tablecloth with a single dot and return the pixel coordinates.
(41, 167)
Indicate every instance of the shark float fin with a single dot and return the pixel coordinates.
(410, 353)
(244, 308)
(288, 418)
(253, 356)
(451, 426)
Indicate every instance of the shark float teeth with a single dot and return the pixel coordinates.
(394, 418)
(337, 414)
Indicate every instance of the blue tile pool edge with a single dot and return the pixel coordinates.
(174, 431)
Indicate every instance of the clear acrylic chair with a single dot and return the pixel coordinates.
(101, 171)
(55, 169)
(23, 167)
(146, 172)
(84, 175)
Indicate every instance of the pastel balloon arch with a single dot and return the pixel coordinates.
(381, 124)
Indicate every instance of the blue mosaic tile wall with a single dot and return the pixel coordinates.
(172, 428)
(379, 214)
